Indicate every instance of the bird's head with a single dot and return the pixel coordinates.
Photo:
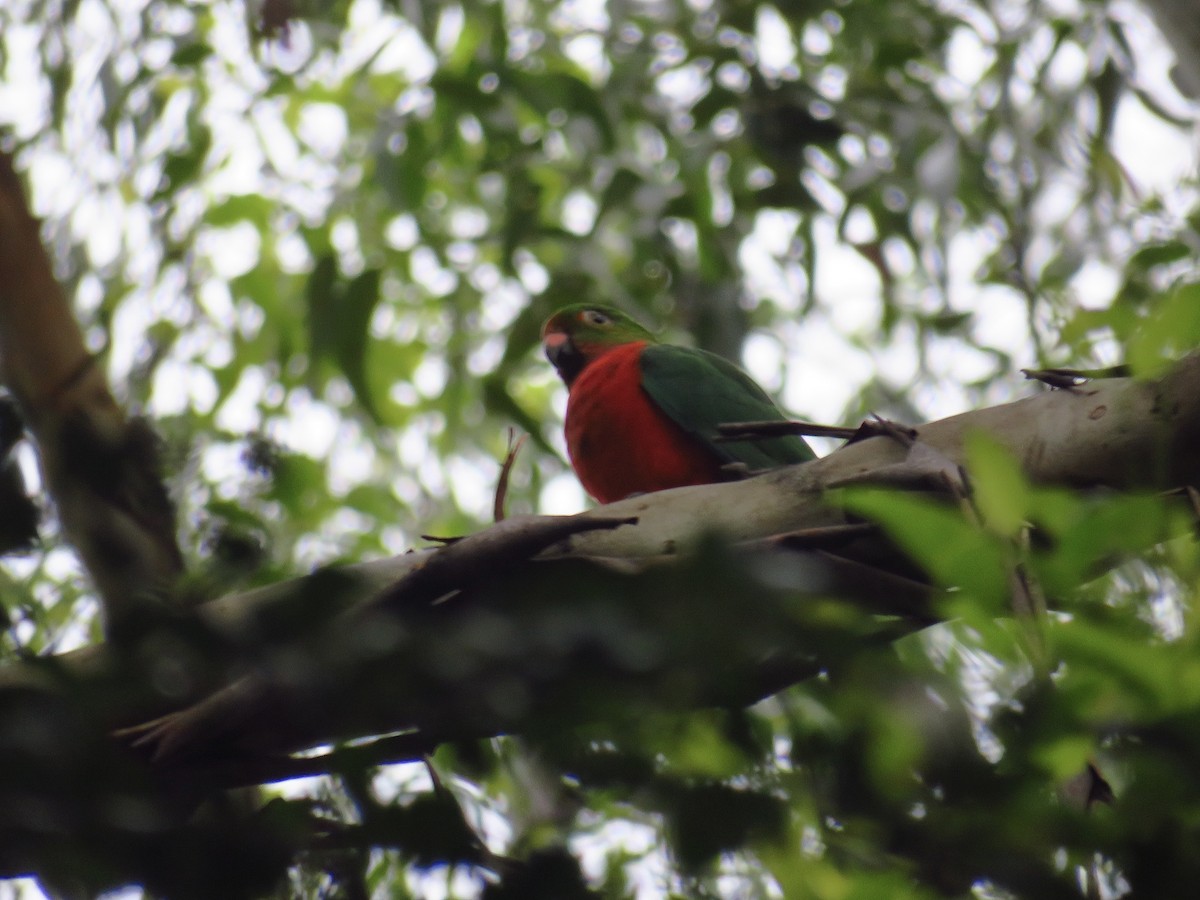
(576, 335)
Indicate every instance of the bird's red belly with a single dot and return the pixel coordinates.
(620, 442)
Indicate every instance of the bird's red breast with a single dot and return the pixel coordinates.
(619, 441)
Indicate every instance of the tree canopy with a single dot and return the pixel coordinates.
(313, 245)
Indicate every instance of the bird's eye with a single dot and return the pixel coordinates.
(592, 317)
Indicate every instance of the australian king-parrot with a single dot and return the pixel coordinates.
(642, 416)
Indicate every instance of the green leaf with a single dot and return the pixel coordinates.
(954, 552)
(998, 485)
(1110, 677)
(1171, 330)
(707, 819)
(322, 293)
(352, 336)
(1065, 756)
(191, 55)
(240, 207)
(1159, 255)
(565, 90)
(1084, 537)
(296, 481)
(182, 166)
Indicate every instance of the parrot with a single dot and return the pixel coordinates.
(642, 416)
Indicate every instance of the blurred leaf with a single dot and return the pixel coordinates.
(339, 317)
(191, 55)
(1066, 757)
(297, 482)
(956, 554)
(323, 294)
(353, 336)
(708, 819)
(566, 91)
(1086, 536)
(1152, 255)
(430, 829)
(998, 486)
(241, 207)
(1172, 329)
(182, 167)
(551, 874)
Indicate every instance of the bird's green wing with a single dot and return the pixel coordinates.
(699, 390)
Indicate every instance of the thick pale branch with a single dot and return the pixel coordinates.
(368, 649)
(1117, 433)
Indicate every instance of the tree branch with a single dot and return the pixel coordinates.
(100, 468)
(451, 643)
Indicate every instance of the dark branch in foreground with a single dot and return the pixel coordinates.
(712, 596)
(368, 631)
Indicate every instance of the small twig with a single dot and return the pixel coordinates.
(737, 431)
(773, 675)
(1086, 789)
(877, 426)
(344, 836)
(923, 468)
(735, 471)
(1193, 496)
(411, 746)
(879, 590)
(824, 537)
(1057, 380)
(1066, 379)
(485, 554)
(514, 448)
(445, 541)
(434, 777)
(1028, 600)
